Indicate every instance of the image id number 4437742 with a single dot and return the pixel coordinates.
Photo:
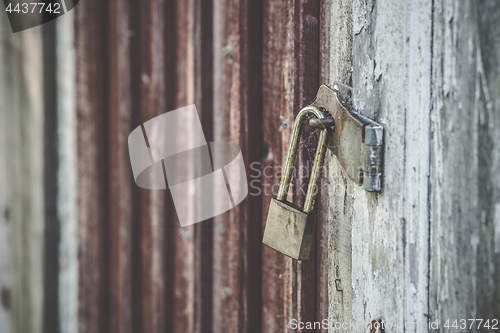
(34, 7)
(471, 323)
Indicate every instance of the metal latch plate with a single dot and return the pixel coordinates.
(356, 140)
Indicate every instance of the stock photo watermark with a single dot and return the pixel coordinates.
(381, 325)
(25, 15)
(205, 179)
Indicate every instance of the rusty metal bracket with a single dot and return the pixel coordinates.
(356, 140)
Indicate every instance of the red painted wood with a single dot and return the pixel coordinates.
(244, 64)
(184, 237)
(291, 79)
(237, 109)
(306, 85)
(92, 166)
(170, 222)
(149, 93)
(277, 115)
(120, 175)
(202, 15)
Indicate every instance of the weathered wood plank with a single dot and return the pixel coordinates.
(380, 241)
(203, 95)
(304, 86)
(445, 191)
(149, 86)
(22, 282)
(465, 219)
(291, 78)
(92, 167)
(323, 210)
(339, 66)
(67, 175)
(120, 177)
(5, 209)
(184, 270)
(264, 178)
(380, 223)
(237, 101)
(51, 188)
(170, 222)
(418, 53)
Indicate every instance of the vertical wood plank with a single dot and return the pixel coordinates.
(120, 178)
(378, 221)
(237, 103)
(464, 200)
(149, 84)
(23, 211)
(291, 79)
(67, 175)
(338, 63)
(323, 209)
(265, 177)
(170, 222)
(306, 77)
(416, 207)
(51, 188)
(5, 209)
(385, 253)
(92, 166)
(203, 233)
(184, 270)
(223, 318)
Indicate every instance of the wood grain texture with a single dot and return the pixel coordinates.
(119, 111)
(183, 260)
(391, 77)
(51, 188)
(170, 63)
(5, 209)
(305, 85)
(337, 65)
(264, 178)
(149, 86)
(237, 104)
(380, 241)
(92, 167)
(424, 248)
(22, 168)
(291, 65)
(67, 175)
(323, 209)
(464, 198)
(203, 96)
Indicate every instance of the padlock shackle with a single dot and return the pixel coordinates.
(292, 154)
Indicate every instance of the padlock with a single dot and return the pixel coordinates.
(290, 229)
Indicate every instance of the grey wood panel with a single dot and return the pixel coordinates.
(67, 175)
(427, 246)
(23, 192)
(339, 238)
(465, 160)
(379, 242)
(5, 225)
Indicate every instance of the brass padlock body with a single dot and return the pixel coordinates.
(289, 230)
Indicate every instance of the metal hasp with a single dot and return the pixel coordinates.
(356, 140)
